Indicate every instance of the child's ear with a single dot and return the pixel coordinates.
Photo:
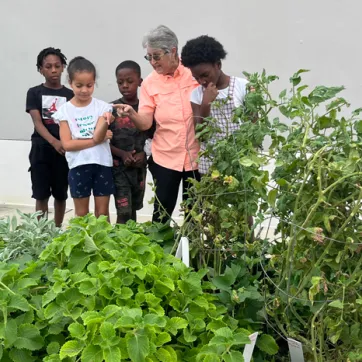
(140, 82)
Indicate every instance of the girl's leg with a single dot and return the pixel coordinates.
(81, 206)
(80, 184)
(101, 204)
(103, 188)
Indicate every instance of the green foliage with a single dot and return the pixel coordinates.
(313, 287)
(103, 293)
(318, 263)
(25, 241)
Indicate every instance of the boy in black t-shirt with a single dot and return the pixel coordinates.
(48, 166)
(127, 145)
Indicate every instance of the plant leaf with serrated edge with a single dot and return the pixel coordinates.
(53, 348)
(107, 331)
(29, 338)
(267, 344)
(233, 356)
(215, 324)
(224, 332)
(20, 355)
(11, 332)
(164, 355)
(78, 261)
(241, 338)
(48, 297)
(76, 330)
(26, 283)
(137, 347)
(112, 354)
(154, 320)
(162, 338)
(18, 302)
(176, 323)
(52, 358)
(89, 244)
(92, 353)
(71, 349)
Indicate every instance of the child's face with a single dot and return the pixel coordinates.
(83, 86)
(206, 73)
(52, 69)
(128, 82)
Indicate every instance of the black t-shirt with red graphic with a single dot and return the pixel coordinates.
(125, 134)
(47, 101)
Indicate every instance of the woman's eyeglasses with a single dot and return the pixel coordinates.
(155, 57)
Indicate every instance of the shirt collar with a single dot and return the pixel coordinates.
(178, 72)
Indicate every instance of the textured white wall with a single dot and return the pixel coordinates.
(281, 36)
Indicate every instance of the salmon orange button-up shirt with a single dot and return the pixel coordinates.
(174, 145)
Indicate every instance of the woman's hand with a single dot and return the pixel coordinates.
(124, 110)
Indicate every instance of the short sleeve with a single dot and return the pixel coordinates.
(147, 103)
(31, 101)
(60, 115)
(106, 107)
(196, 95)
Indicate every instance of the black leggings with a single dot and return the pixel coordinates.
(167, 184)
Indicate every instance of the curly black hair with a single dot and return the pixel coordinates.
(203, 49)
(50, 51)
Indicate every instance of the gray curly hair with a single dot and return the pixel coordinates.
(161, 37)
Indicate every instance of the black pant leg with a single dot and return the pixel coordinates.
(167, 184)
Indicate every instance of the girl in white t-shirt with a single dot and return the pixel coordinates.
(85, 137)
(203, 55)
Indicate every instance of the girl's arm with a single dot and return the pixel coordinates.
(73, 145)
(100, 130)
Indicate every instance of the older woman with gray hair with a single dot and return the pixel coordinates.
(165, 96)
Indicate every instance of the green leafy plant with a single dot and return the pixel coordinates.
(317, 265)
(103, 293)
(25, 240)
(311, 282)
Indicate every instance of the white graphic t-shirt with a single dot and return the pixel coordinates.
(82, 122)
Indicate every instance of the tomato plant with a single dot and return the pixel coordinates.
(311, 282)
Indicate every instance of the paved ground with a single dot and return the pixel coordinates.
(10, 210)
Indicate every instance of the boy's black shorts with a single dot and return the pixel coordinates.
(129, 189)
(49, 173)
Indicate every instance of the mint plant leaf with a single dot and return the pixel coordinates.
(137, 347)
(267, 344)
(71, 349)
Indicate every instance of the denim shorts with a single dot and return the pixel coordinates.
(87, 178)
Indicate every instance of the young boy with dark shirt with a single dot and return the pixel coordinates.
(127, 146)
(48, 166)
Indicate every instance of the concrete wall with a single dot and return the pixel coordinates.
(281, 36)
